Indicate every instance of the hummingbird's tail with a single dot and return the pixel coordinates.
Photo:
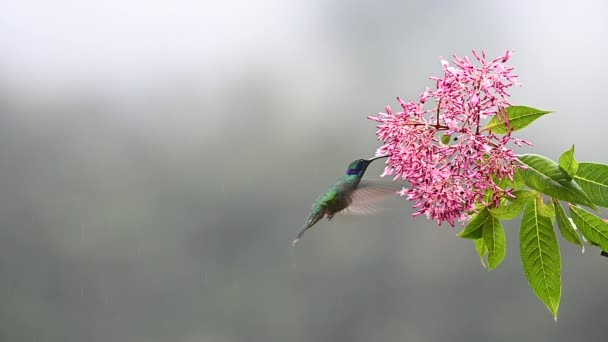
(313, 218)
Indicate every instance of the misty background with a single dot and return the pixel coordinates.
(157, 158)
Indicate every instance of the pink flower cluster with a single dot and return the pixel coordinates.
(449, 179)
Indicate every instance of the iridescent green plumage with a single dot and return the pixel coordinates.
(343, 193)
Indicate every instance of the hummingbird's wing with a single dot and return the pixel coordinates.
(369, 196)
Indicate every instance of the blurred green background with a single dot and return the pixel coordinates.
(158, 157)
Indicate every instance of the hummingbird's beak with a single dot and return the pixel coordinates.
(378, 157)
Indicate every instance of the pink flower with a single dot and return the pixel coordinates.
(448, 181)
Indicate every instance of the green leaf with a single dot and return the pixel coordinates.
(593, 179)
(516, 183)
(508, 211)
(445, 139)
(568, 163)
(540, 257)
(474, 230)
(504, 182)
(518, 179)
(544, 175)
(565, 226)
(482, 250)
(523, 196)
(495, 241)
(519, 117)
(593, 228)
(546, 210)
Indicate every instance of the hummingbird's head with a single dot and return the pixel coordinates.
(359, 166)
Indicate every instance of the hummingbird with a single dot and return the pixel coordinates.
(348, 195)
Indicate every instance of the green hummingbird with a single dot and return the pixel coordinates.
(348, 195)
